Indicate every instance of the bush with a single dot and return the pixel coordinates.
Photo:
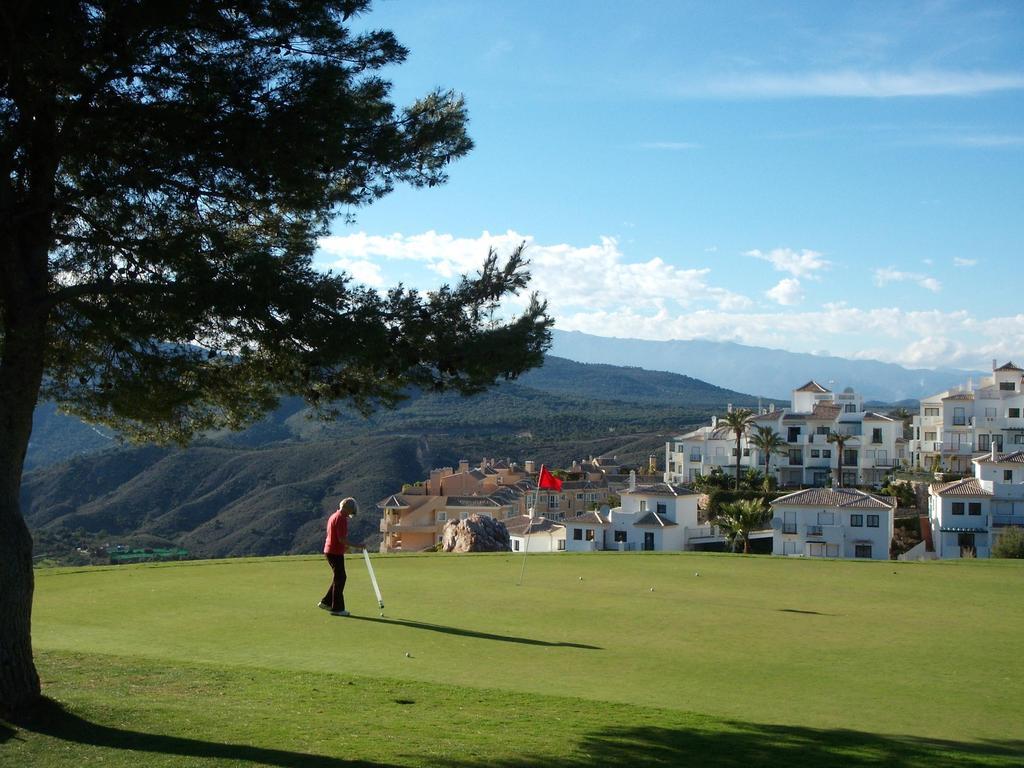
(1010, 544)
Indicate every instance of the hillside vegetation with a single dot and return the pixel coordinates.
(596, 659)
(268, 489)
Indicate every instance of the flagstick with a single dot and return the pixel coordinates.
(526, 548)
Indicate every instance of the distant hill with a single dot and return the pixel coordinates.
(267, 490)
(769, 372)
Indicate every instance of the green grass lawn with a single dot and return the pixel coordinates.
(609, 659)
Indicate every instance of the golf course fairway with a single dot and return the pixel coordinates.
(595, 659)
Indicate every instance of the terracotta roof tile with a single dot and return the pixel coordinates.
(969, 486)
(813, 386)
(835, 497)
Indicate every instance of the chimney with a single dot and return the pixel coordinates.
(632, 479)
(463, 465)
(994, 366)
(714, 422)
(994, 456)
(528, 466)
(729, 408)
(652, 464)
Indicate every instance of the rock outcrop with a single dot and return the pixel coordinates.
(476, 533)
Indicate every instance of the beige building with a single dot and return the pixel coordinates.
(413, 520)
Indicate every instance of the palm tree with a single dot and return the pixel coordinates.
(738, 421)
(767, 441)
(840, 440)
(905, 416)
(738, 519)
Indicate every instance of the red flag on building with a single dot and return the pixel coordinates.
(547, 481)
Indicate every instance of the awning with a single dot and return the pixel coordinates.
(964, 530)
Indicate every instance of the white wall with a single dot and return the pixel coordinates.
(839, 533)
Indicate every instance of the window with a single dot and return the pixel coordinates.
(579, 497)
(1007, 475)
(984, 442)
(997, 442)
(796, 456)
(815, 453)
(862, 550)
(959, 416)
(643, 505)
(931, 411)
(793, 435)
(990, 413)
(1007, 386)
(826, 453)
(849, 456)
(590, 534)
(929, 435)
(515, 545)
(826, 518)
(856, 521)
(442, 516)
(553, 502)
(577, 534)
(620, 535)
(561, 545)
(958, 507)
(974, 508)
(823, 431)
(876, 435)
(463, 515)
(694, 457)
(662, 509)
(746, 451)
(872, 521)
(851, 408)
(1013, 413)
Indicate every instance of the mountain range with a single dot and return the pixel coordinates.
(267, 490)
(769, 372)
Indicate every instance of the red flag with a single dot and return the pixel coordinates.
(547, 481)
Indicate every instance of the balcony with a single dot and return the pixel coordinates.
(1001, 521)
(789, 527)
(815, 530)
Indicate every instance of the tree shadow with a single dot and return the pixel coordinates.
(473, 633)
(49, 718)
(728, 744)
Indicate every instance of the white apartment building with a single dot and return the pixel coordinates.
(958, 424)
(875, 447)
(653, 517)
(833, 522)
(966, 516)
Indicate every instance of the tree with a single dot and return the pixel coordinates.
(768, 442)
(1010, 543)
(738, 421)
(738, 519)
(840, 441)
(904, 416)
(165, 171)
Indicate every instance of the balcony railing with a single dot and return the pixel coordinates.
(789, 527)
(815, 530)
(1004, 520)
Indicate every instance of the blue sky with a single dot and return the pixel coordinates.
(829, 177)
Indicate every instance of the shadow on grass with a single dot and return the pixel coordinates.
(725, 744)
(51, 719)
(473, 633)
(806, 613)
(709, 744)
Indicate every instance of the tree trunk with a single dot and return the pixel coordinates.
(23, 343)
(21, 369)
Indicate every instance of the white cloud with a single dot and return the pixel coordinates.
(569, 276)
(366, 272)
(886, 275)
(958, 262)
(786, 292)
(849, 83)
(805, 263)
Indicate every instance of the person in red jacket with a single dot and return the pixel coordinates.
(334, 549)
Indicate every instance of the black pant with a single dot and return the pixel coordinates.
(335, 596)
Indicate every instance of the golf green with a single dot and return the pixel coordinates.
(881, 650)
